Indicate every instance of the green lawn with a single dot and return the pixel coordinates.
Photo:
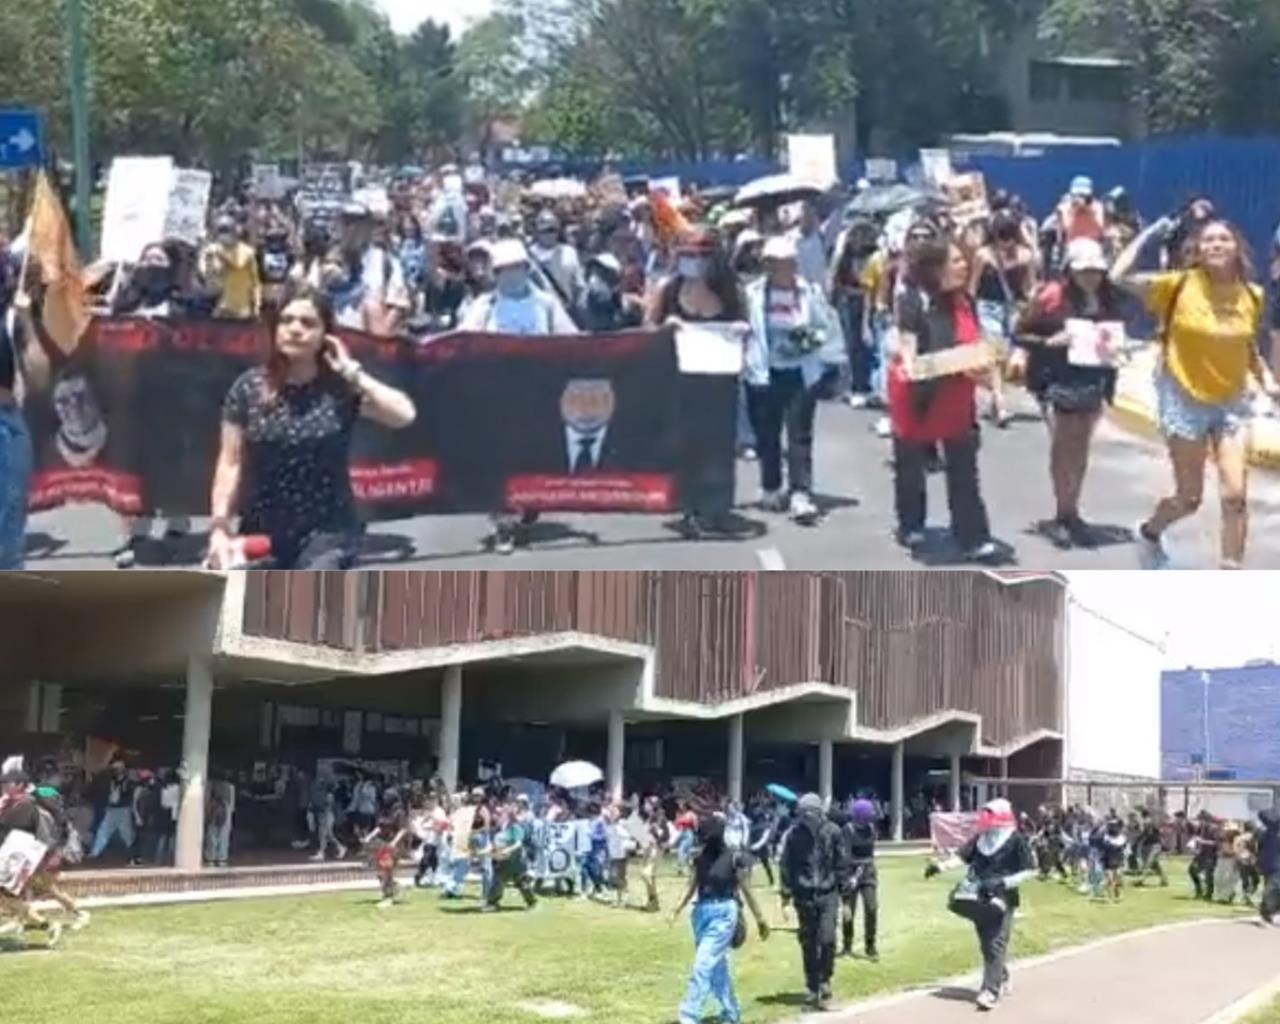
(336, 959)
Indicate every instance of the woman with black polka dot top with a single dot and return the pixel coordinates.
(284, 466)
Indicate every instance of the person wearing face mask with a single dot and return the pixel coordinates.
(702, 290)
(999, 860)
(275, 261)
(365, 281)
(230, 266)
(794, 336)
(557, 260)
(604, 307)
(515, 306)
(151, 291)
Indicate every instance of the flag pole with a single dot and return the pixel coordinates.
(77, 81)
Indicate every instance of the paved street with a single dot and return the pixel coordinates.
(854, 484)
(1136, 979)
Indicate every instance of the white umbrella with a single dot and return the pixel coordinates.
(576, 774)
(776, 188)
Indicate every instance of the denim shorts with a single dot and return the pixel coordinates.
(1188, 418)
(993, 317)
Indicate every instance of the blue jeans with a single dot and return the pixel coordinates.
(881, 323)
(116, 821)
(15, 480)
(713, 925)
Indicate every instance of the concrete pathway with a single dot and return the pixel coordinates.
(1178, 974)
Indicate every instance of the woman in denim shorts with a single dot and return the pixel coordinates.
(1212, 316)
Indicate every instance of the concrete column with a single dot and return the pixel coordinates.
(897, 795)
(1004, 774)
(51, 709)
(450, 727)
(826, 771)
(189, 855)
(955, 782)
(617, 756)
(734, 772)
(31, 720)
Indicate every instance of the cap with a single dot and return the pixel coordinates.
(509, 252)
(1086, 254)
(607, 261)
(780, 247)
(1082, 186)
(810, 802)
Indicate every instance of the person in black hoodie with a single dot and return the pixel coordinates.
(812, 864)
(859, 830)
(1269, 864)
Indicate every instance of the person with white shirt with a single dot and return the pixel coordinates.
(557, 259)
(794, 336)
(361, 277)
(170, 797)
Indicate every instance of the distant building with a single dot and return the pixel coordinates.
(1067, 94)
(1221, 723)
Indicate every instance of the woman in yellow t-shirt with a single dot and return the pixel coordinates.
(1210, 315)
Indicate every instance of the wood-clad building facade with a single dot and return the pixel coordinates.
(912, 645)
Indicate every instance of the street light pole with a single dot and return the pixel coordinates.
(77, 81)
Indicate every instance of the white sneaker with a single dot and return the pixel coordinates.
(1151, 553)
(54, 933)
(883, 428)
(987, 1000)
(857, 401)
(385, 904)
(802, 509)
(81, 921)
(984, 552)
(317, 857)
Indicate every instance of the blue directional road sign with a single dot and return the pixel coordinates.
(19, 138)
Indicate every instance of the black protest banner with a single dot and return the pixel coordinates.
(579, 423)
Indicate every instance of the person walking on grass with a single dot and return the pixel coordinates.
(812, 865)
(999, 859)
(719, 881)
(509, 864)
(385, 845)
(1115, 848)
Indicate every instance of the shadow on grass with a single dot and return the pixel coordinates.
(783, 999)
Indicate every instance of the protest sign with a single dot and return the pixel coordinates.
(671, 186)
(881, 171)
(323, 190)
(949, 361)
(138, 189)
(936, 167)
(1095, 344)
(967, 194)
(812, 159)
(188, 205)
(594, 423)
(265, 181)
(711, 348)
(948, 831)
(20, 857)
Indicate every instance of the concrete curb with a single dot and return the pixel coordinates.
(848, 1013)
(1241, 1008)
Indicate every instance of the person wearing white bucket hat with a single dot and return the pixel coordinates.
(999, 860)
(1072, 396)
(794, 335)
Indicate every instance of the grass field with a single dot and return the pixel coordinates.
(336, 959)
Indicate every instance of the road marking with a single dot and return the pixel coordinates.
(771, 559)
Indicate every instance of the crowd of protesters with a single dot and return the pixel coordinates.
(836, 303)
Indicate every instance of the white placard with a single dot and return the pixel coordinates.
(812, 159)
(188, 211)
(711, 349)
(881, 170)
(967, 194)
(265, 181)
(20, 856)
(137, 206)
(1095, 344)
(936, 166)
(671, 186)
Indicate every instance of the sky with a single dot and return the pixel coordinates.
(1212, 619)
(406, 15)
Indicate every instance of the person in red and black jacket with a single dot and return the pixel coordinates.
(1072, 397)
(934, 313)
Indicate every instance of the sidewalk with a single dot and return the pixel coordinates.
(1179, 974)
(1135, 410)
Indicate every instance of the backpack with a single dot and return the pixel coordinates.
(812, 856)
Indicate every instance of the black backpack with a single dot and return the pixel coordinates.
(812, 855)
